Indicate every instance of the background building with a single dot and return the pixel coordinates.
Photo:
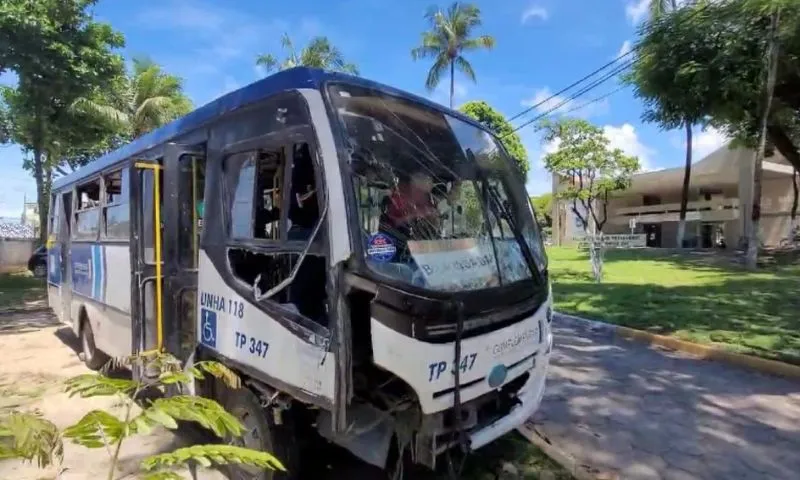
(720, 194)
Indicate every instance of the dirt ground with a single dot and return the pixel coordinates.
(37, 354)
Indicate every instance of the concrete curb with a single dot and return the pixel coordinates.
(705, 352)
(567, 461)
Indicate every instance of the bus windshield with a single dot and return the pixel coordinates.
(440, 204)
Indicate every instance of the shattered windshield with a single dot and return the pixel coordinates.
(438, 202)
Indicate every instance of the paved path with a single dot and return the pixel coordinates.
(632, 411)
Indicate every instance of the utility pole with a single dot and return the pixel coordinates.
(751, 258)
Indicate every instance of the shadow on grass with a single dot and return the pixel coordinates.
(723, 261)
(19, 289)
(754, 315)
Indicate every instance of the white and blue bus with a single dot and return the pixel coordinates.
(365, 259)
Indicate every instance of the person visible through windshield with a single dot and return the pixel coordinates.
(411, 212)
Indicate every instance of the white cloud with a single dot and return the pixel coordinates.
(229, 84)
(625, 138)
(539, 181)
(625, 48)
(637, 10)
(442, 93)
(221, 33)
(705, 142)
(533, 12)
(545, 101)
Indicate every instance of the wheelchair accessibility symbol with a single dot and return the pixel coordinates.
(208, 328)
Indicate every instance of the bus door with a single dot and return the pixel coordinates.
(65, 275)
(184, 182)
(147, 256)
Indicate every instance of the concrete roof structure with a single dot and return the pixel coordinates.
(719, 168)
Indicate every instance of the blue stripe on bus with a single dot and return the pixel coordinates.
(54, 265)
(97, 269)
(88, 270)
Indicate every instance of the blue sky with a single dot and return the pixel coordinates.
(542, 46)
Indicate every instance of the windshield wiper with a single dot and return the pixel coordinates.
(500, 211)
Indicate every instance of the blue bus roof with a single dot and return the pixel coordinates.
(294, 78)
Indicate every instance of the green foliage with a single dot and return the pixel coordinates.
(319, 53)
(38, 42)
(97, 429)
(496, 122)
(543, 206)
(705, 62)
(449, 37)
(91, 385)
(29, 437)
(208, 455)
(589, 168)
(203, 411)
(144, 99)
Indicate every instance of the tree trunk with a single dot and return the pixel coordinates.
(41, 192)
(795, 200)
(687, 175)
(751, 259)
(452, 80)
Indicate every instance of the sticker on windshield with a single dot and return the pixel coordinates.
(380, 248)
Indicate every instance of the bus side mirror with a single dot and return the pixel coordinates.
(459, 210)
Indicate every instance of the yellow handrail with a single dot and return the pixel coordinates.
(157, 227)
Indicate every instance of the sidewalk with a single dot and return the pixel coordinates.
(627, 410)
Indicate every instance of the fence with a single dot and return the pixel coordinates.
(15, 252)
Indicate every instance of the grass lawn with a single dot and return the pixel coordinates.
(700, 297)
(18, 288)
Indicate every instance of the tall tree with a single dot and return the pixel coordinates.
(771, 68)
(712, 53)
(795, 201)
(449, 37)
(592, 171)
(496, 122)
(38, 41)
(319, 53)
(139, 102)
(662, 112)
(543, 206)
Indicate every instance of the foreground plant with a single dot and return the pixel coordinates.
(30, 437)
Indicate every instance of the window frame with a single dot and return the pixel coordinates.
(125, 185)
(54, 215)
(282, 139)
(74, 233)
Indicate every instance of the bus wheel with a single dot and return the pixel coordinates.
(262, 434)
(92, 357)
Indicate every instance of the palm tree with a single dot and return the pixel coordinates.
(145, 99)
(319, 53)
(448, 39)
(659, 8)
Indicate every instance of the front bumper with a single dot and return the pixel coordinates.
(530, 396)
(438, 432)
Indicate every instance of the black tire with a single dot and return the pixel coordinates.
(92, 357)
(263, 435)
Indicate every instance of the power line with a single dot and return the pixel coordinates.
(573, 84)
(652, 25)
(596, 99)
(577, 94)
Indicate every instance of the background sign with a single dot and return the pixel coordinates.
(638, 240)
